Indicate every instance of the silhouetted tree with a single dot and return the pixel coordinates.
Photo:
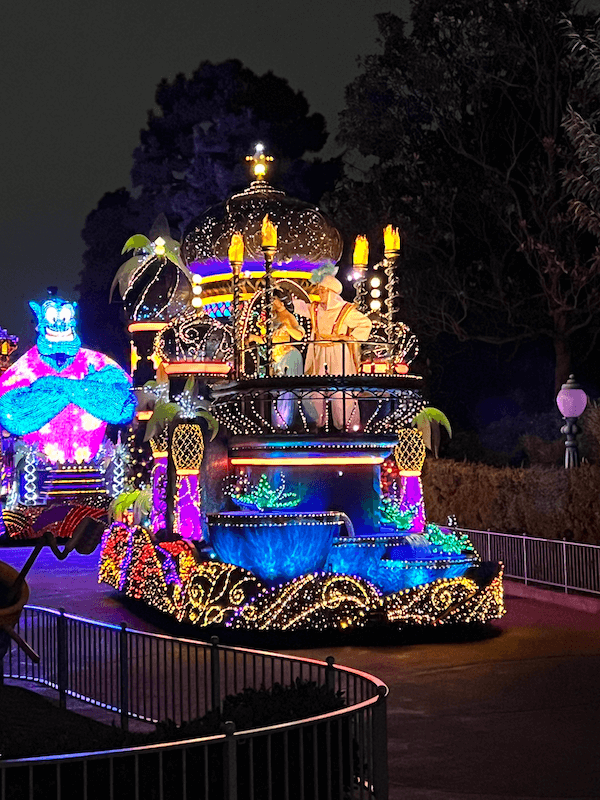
(460, 123)
(191, 156)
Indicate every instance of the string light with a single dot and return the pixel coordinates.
(272, 569)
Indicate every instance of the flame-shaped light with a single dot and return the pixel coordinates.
(269, 233)
(159, 246)
(391, 238)
(361, 251)
(236, 248)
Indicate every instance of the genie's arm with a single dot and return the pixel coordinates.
(27, 409)
(106, 394)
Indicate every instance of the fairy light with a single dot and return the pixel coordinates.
(31, 485)
(347, 592)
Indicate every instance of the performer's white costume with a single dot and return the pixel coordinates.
(336, 318)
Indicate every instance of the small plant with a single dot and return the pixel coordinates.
(447, 542)
(390, 513)
(263, 496)
(189, 405)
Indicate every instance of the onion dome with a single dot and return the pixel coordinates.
(305, 238)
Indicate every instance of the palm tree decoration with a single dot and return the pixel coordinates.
(155, 278)
(180, 417)
(430, 422)
(188, 406)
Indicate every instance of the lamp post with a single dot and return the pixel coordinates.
(571, 402)
(269, 248)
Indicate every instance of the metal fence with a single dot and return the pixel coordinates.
(152, 677)
(570, 566)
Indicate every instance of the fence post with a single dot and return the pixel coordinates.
(215, 674)
(525, 557)
(380, 746)
(566, 581)
(62, 658)
(124, 676)
(330, 673)
(489, 546)
(230, 761)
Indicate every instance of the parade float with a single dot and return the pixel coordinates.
(59, 470)
(271, 477)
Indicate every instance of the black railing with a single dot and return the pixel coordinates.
(156, 678)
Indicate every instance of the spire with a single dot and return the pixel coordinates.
(259, 162)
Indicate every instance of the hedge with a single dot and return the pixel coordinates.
(542, 501)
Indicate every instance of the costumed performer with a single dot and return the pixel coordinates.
(338, 328)
(287, 360)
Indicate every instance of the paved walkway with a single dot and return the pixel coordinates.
(513, 715)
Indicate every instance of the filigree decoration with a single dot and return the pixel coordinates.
(214, 592)
(315, 601)
(447, 600)
(190, 337)
(396, 345)
(303, 232)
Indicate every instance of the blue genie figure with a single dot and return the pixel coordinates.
(60, 396)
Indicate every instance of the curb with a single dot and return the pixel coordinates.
(590, 605)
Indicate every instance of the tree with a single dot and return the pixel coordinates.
(461, 122)
(191, 156)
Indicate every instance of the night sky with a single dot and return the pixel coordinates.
(78, 79)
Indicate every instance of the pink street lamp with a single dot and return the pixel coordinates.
(571, 402)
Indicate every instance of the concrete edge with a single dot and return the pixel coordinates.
(591, 605)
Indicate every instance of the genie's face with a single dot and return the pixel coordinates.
(57, 334)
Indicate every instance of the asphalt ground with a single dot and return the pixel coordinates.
(507, 710)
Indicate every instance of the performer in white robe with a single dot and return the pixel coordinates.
(338, 328)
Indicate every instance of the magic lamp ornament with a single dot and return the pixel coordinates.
(410, 451)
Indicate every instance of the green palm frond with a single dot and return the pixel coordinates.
(137, 242)
(163, 414)
(428, 421)
(212, 422)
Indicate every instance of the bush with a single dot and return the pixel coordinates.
(541, 501)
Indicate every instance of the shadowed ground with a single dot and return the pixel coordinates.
(512, 714)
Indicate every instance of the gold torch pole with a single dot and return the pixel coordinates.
(391, 241)
(236, 258)
(360, 259)
(269, 248)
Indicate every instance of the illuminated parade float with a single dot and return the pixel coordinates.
(271, 477)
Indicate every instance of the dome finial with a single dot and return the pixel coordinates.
(259, 162)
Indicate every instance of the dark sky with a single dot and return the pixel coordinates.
(78, 77)
(77, 81)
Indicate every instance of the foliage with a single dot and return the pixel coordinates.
(546, 502)
(189, 405)
(447, 541)
(137, 501)
(428, 421)
(391, 514)
(460, 126)
(39, 727)
(257, 708)
(191, 155)
(263, 496)
(146, 253)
